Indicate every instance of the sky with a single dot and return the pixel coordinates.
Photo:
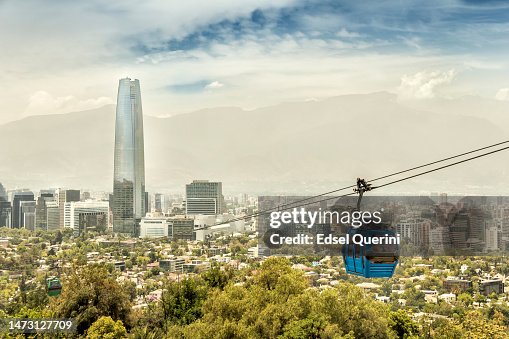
(62, 56)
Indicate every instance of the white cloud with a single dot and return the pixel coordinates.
(502, 94)
(214, 85)
(48, 49)
(414, 42)
(344, 33)
(424, 84)
(42, 102)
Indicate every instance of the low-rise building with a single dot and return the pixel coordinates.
(154, 227)
(430, 296)
(487, 287)
(171, 265)
(448, 297)
(120, 265)
(456, 284)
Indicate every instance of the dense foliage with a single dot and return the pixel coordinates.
(268, 299)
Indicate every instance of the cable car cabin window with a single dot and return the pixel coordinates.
(382, 250)
(357, 250)
(382, 259)
(350, 250)
(55, 284)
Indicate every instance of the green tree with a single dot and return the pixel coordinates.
(181, 304)
(502, 309)
(215, 277)
(476, 326)
(271, 271)
(442, 328)
(466, 299)
(402, 324)
(106, 328)
(314, 327)
(58, 238)
(353, 311)
(278, 303)
(89, 293)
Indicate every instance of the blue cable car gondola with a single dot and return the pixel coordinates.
(369, 260)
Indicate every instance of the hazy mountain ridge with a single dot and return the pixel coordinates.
(291, 147)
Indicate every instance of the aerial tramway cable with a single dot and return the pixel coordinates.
(297, 203)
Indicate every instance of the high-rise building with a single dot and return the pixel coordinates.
(492, 238)
(5, 213)
(41, 213)
(17, 216)
(147, 203)
(129, 163)
(52, 216)
(27, 209)
(204, 197)
(159, 203)
(415, 230)
(63, 197)
(182, 228)
(5, 208)
(3, 193)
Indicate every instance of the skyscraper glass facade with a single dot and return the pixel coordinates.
(17, 215)
(129, 164)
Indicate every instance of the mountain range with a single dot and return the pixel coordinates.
(294, 148)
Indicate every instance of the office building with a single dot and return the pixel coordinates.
(182, 228)
(65, 196)
(195, 266)
(416, 231)
(128, 205)
(159, 203)
(41, 213)
(459, 230)
(86, 216)
(3, 193)
(92, 220)
(440, 239)
(147, 204)
(5, 213)
(492, 238)
(171, 265)
(204, 197)
(16, 215)
(487, 287)
(5, 208)
(27, 209)
(155, 227)
(52, 216)
(453, 284)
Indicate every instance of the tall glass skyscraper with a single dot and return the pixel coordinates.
(129, 164)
